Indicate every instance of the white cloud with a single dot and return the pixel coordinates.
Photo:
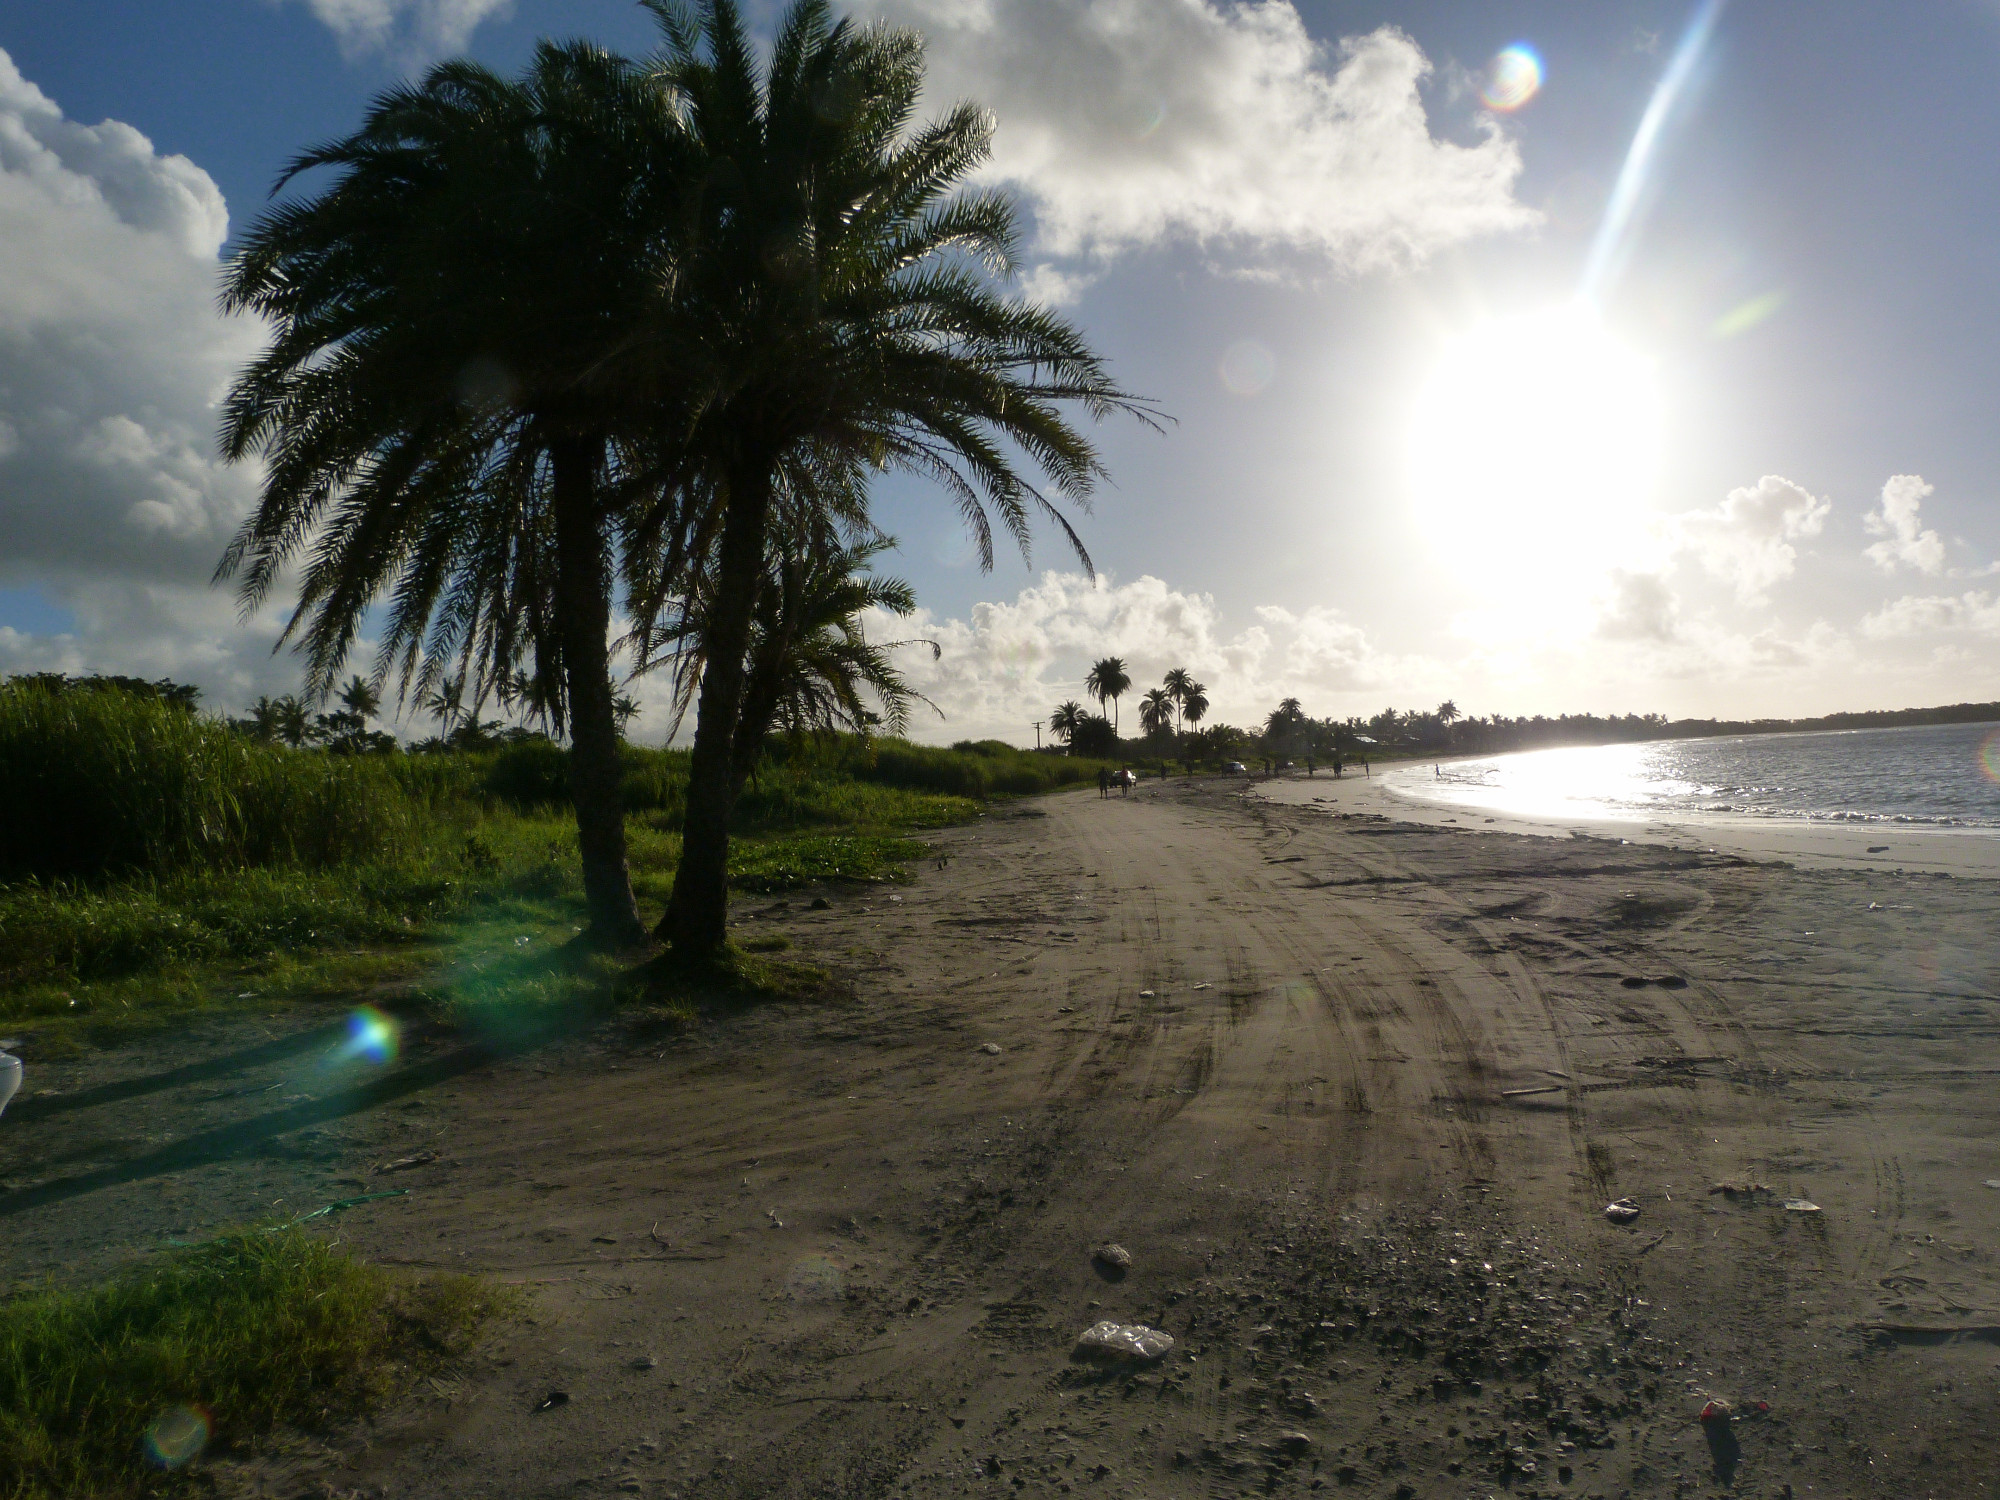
(1746, 541)
(1640, 608)
(1127, 123)
(1907, 543)
(1915, 615)
(113, 503)
(415, 27)
(1011, 662)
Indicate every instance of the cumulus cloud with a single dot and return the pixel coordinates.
(1128, 123)
(1905, 543)
(420, 27)
(1009, 662)
(1640, 607)
(112, 360)
(1746, 541)
(1912, 615)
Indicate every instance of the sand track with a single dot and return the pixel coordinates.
(855, 1247)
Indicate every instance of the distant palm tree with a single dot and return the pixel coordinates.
(294, 721)
(443, 703)
(265, 719)
(1194, 707)
(1177, 682)
(1066, 720)
(1156, 711)
(361, 698)
(1108, 679)
(1448, 712)
(624, 709)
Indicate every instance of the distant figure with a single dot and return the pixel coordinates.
(1336, 768)
(1126, 780)
(1103, 781)
(1267, 767)
(1438, 771)
(1309, 767)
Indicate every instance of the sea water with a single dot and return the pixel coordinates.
(1941, 776)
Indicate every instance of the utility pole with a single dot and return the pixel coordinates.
(1038, 734)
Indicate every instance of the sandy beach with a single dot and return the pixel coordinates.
(1352, 1090)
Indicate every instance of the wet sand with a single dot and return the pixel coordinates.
(1352, 1092)
(1970, 852)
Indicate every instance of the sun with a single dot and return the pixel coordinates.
(1534, 451)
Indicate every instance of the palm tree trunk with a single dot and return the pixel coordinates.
(583, 621)
(697, 919)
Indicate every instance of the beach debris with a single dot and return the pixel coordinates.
(1203, 985)
(1801, 1206)
(1540, 1088)
(1145, 994)
(1721, 1409)
(10, 1078)
(1621, 1211)
(406, 1163)
(1655, 1242)
(1125, 1340)
(1878, 848)
(644, 1362)
(820, 903)
(552, 1400)
(1993, 1182)
(992, 1049)
(1115, 1256)
(1294, 1442)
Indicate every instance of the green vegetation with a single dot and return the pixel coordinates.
(157, 864)
(101, 1388)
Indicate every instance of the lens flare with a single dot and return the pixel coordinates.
(1247, 367)
(372, 1035)
(1514, 78)
(177, 1436)
(1989, 756)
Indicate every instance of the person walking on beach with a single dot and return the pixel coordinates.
(1309, 767)
(1103, 782)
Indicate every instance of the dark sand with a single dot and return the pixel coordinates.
(840, 1250)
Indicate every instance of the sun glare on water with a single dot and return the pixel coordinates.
(1534, 451)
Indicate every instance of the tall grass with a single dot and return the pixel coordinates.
(252, 1331)
(99, 783)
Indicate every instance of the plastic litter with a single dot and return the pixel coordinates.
(1145, 994)
(1801, 1206)
(993, 1049)
(10, 1078)
(1993, 1182)
(1130, 1340)
(1115, 1256)
(552, 1400)
(1718, 1409)
(1623, 1211)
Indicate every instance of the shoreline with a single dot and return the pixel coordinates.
(1965, 853)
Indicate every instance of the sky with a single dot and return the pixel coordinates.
(1654, 374)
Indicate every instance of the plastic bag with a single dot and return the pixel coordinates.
(1133, 1340)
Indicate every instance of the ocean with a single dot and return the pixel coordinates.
(1941, 776)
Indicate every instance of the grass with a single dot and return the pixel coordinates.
(155, 867)
(101, 1388)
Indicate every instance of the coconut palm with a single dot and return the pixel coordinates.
(812, 665)
(1194, 707)
(463, 329)
(1067, 719)
(837, 303)
(361, 698)
(1156, 711)
(293, 721)
(1108, 680)
(1177, 682)
(1448, 714)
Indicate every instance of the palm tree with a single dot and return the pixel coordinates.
(294, 721)
(1067, 719)
(812, 666)
(463, 329)
(624, 709)
(1194, 707)
(837, 305)
(1156, 711)
(266, 718)
(1108, 679)
(1177, 682)
(445, 704)
(361, 699)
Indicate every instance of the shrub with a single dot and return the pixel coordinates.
(112, 781)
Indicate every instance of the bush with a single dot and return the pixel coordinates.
(110, 781)
(250, 1331)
